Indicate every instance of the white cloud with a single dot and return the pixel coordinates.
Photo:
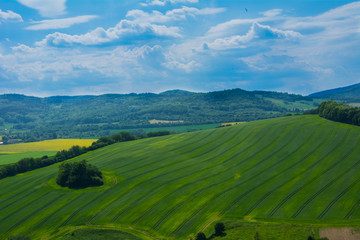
(22, 48)
(142, 26)
(60, 23)
(119, 69)
(343, 18)
(164, 2)
(272, 12)
(125, 31)
(9, 16)
(172, 15)
(46, 8)
(257, 32)
(303, 52)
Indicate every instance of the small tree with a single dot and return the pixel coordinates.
(257, 237)
(219, 229)
(201, 236)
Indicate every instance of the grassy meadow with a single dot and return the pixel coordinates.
(14, 152)
(298, 169)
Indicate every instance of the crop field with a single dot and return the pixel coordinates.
(14, 152)
(47, 145)
(14, 157)
(298, 169)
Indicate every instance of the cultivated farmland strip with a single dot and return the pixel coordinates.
(312, 197)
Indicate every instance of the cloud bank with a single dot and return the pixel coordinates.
(188, 48)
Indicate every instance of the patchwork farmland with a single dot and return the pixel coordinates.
(14, 152)
(300, 169)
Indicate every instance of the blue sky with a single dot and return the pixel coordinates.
(76, 47)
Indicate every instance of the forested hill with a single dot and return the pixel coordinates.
(93, 116)
(349, 94)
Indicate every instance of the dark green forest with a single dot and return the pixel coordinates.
(339, 112)
(32, 118)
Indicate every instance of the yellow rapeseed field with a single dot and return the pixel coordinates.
(47, 145)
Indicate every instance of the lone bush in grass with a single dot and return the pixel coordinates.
(219, 229)
(200, 236)
(79, 175)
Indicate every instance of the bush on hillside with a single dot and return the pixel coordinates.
(200, 236)
(219, 229)
(79, 175)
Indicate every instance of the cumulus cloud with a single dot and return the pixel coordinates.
(172, 15)
(22, 48)
(60, 23)
(9, 16)
(120, 69)
(164, 2)
(256, 32)
(46, 8)
(142, 26)
(125, 31)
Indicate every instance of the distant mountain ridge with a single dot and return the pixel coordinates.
(93, 116)
(349, 94)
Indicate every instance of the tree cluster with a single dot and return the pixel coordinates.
(338, 112)
(79, 175)
(219, 231)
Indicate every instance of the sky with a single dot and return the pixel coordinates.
(92, 47)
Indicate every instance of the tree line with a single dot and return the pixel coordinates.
(28, 164)
(338, 112)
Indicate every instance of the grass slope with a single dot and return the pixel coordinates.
(299, 169)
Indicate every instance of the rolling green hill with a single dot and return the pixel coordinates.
(299, 169)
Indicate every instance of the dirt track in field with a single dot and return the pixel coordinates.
(339, 234)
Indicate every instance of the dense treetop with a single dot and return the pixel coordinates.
(79, 175)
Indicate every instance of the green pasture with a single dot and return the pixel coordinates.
(14, 157)
(177, 129)
(298, 169)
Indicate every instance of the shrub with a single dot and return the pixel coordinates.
(201, 236)
(219, 229)
(79, 175)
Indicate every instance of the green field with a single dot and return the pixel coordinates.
(298, 169)
(176, 129)
(14, 152)
(14, 157)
